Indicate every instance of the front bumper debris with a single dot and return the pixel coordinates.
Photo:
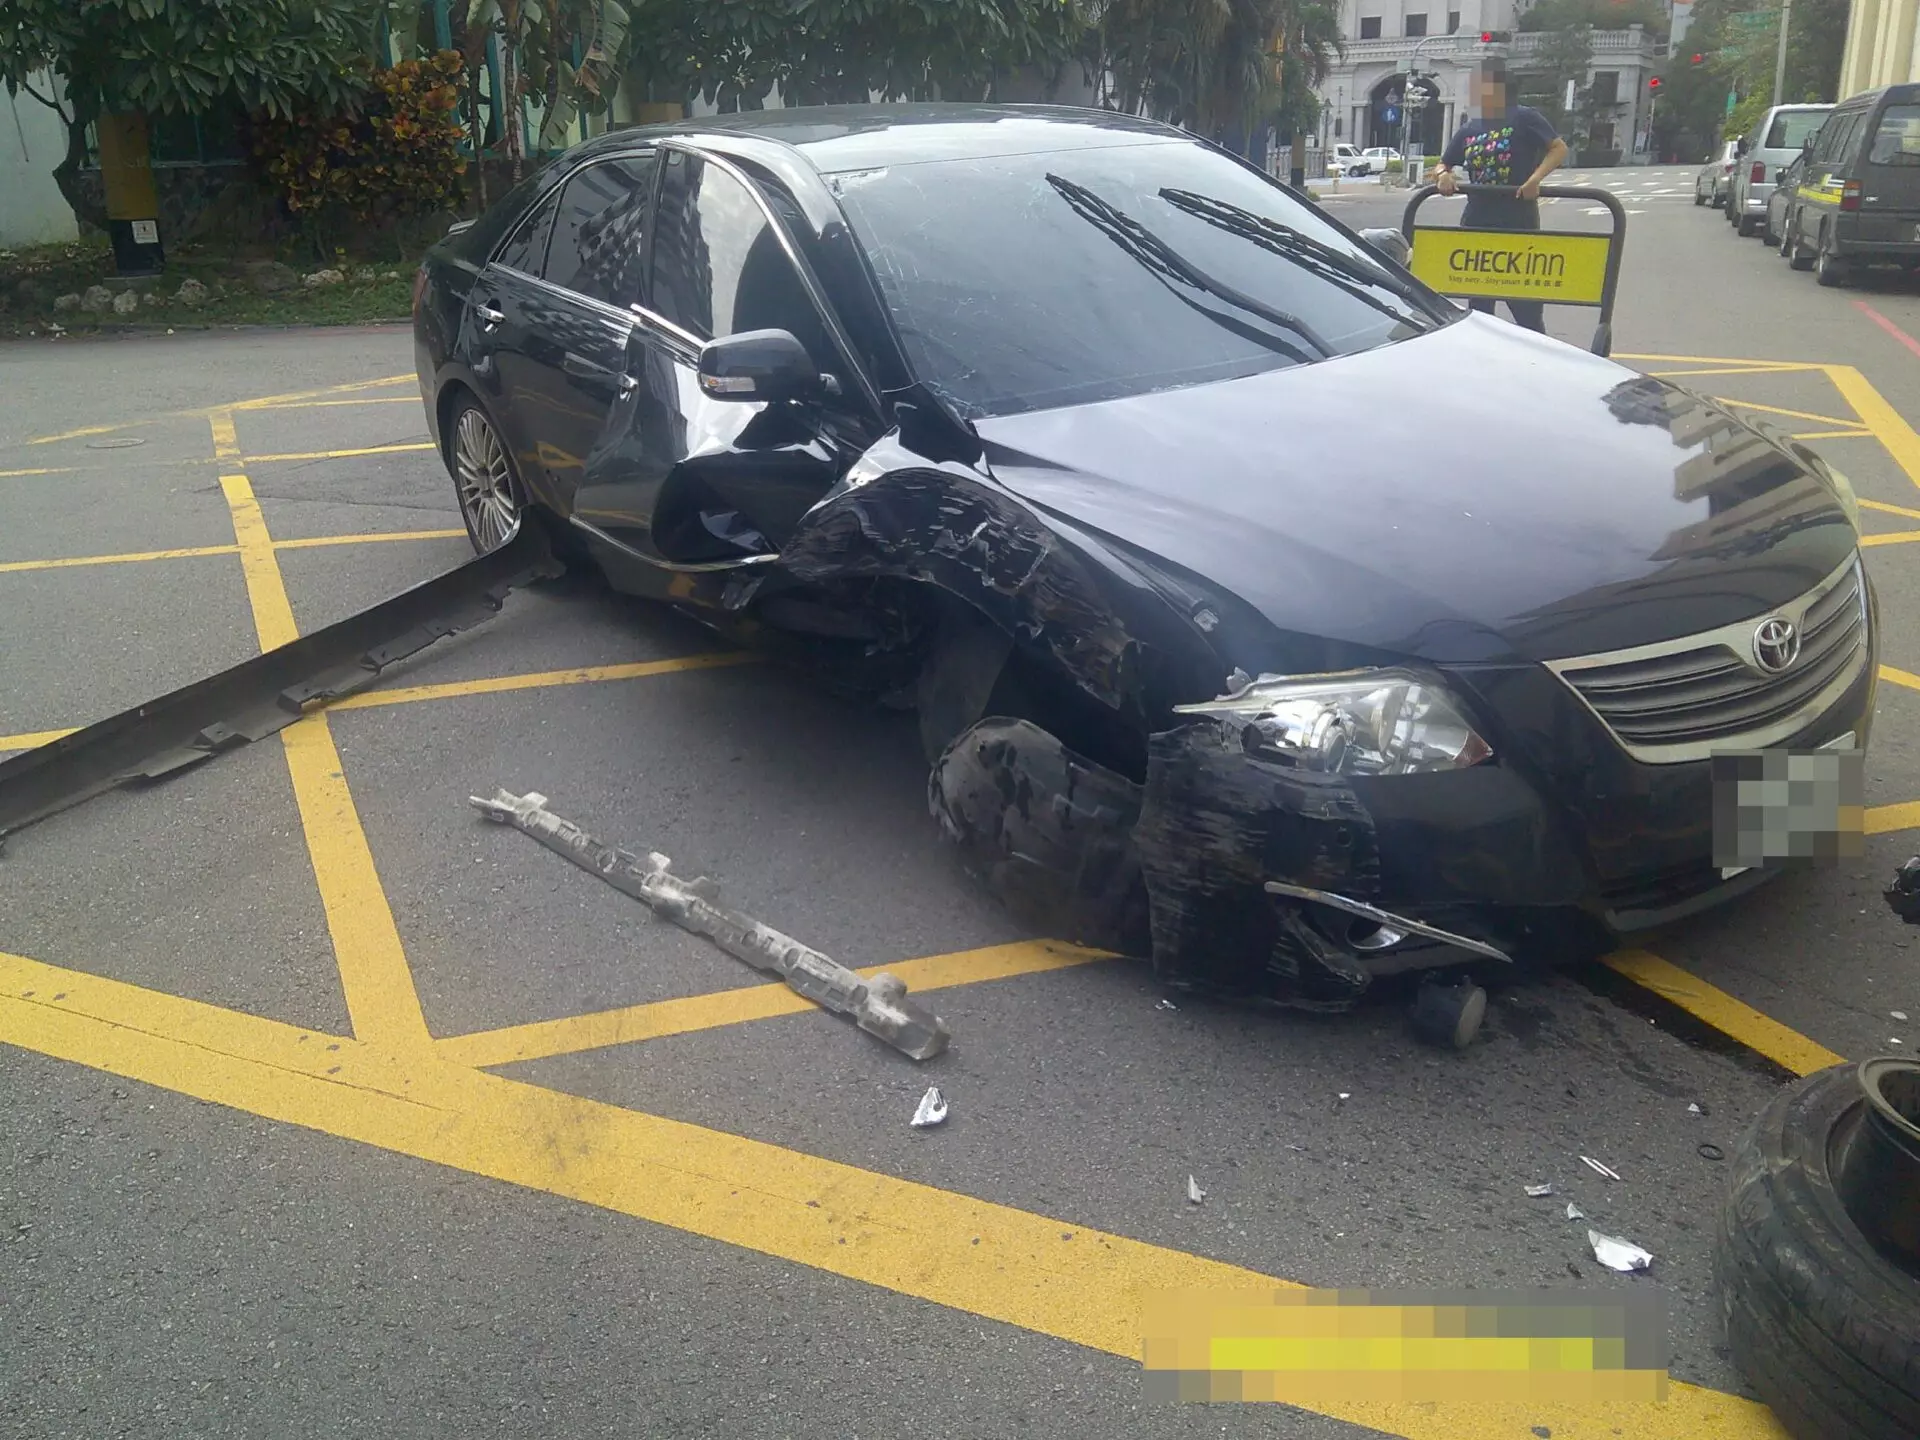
(261, 696)
(878, 1006)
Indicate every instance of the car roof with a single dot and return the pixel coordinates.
(835, 138)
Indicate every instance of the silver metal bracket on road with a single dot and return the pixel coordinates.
(878, 1006)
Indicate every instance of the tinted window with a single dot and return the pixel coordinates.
(600, 232)
(526, 249)
(1896, 139)
(1416, 24)
(718, 266)
(1026, 282)
(1369, 27)
(1791, 130)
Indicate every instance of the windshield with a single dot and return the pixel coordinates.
(1793, 129)
(1033, 281)
(1896, 141)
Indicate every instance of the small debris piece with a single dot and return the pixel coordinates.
(1346, 1094)
(1574, 1212)
(878, 1006)
(931, 1110)
(1617, 1254)
(1694, 1109)
(1710, 1151)
(1165, 1005)
(1595, 1166)
(1898, 1014)
(1538, 1192)
(1542, 1431)
(1194, 1193)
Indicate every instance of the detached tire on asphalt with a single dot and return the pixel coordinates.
(1826, 1326)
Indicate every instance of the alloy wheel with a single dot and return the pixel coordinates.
(489, 500)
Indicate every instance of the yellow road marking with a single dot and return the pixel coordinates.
(1046, 1275)
(568, 1036)
(226, 444)
(1893, 537)
(1900, 677)
(340, 454)
(1887, 423)
(1785, 1047)
(310, 543)
(262, 402)
(1733, 370)
(316, 541)
(136, 558)
(15, 474)
(1890, 819)
(1722, 360)
(1886, 509)
(328, 404)
(84, 432)
(1793, 414)
(500, 684)
(1835, 435)
(32, 739)
(380, 994)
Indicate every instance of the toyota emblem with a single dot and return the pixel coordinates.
(1776, 644)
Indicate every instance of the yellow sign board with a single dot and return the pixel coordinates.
(124, 172)
(1553, 266)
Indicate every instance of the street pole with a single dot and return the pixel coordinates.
(1780, 55)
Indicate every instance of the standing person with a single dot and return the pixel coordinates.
(1503, 145)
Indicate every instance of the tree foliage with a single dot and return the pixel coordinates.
(1739, 57)
(392, 156)
(180, 57)
(1220, 67)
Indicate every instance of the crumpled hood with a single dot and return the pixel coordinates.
(1477, 493)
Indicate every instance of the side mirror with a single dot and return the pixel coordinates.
(758, 365)
(1389, 243)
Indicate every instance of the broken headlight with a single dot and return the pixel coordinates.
(1363, 722)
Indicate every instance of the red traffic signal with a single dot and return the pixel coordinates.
(1486, 37)
(1653, 82)
(1699, 59)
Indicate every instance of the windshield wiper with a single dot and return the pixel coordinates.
(1341, 269)
(1153, 252)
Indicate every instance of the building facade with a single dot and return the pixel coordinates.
(1363, 100)
(1883, 46)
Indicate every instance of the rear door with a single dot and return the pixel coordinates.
(701, 481)
(1889, 174)
(1822, 177)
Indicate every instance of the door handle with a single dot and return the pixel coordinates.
(628, 384)
(488, 315)
(576, 364)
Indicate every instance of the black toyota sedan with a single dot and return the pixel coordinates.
(1262, 609)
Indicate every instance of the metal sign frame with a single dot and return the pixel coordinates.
(1616, 238)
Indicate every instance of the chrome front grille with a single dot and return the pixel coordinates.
(1683, 699)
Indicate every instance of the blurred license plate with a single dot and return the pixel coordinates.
(1788, 807)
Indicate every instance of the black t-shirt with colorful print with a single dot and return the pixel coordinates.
(1502, 151)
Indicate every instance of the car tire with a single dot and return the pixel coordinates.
(1830, 270)
(1698, 198)
(493, 500)
(1798, 256)
(1744, 226)
(1767, 233)
(1819, 1319)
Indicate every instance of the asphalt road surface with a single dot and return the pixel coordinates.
(331, 1109)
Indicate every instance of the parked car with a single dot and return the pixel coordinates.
(1710, 183)
(1063, 429)
(1346, 160)
(1777, 228)
(1857, 196)
(1775, 139)
(1380, 157)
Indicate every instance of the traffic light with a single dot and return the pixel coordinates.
(1653, 82)
(1494, 37)
(1698, 59)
